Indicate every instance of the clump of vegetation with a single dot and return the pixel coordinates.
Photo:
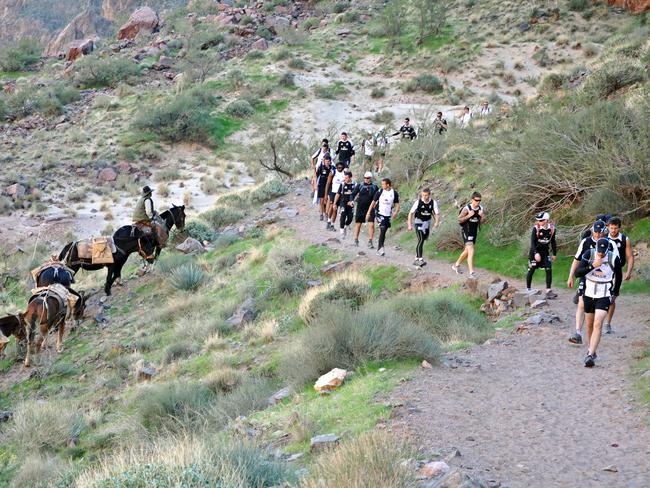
(268, 191)
(199, 231)
(185, 117)
(426, 83)
(222, 216)
(331, 91)
(93, 71)
(297, 63)
(20, 55)
(240, 109)
(188, 277)
(372, 459)
(613, 76)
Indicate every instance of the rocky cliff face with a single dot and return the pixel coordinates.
(634, 6)
(86, 25)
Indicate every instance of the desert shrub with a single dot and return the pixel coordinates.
(282, 54)
(598, 145)
(385, 117)
(178, 350)
(250, 395)
(552, 82)
(255, 54)
(590, 49)
(222, 380)
(222, 216)
(613, 76)
(372, 459)
(448, 236)
(38, 471)
(350, 288)
(264, 33)
(188, 461)
(297, 63)
(346, 338)
(199, 230)
(310, 23)
(412, 162)
(579, 5)
(92, 71)
(180, 118)
(188, 277)
(288, 270)
(287, 80)
(426, 83)
(268, 191)
(166, 263)
(340, 7)
(166, 405)
(240, 109)
(331, 91)
(378, 92)
(43, 426)
(19, 55)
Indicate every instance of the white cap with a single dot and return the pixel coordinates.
(367, 174)
(543, 216)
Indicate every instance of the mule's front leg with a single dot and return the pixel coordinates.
(59, 337)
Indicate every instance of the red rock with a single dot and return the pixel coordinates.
(634, 6)
(15, 191)
(260, 45)
(79, 48)
(107, 175)
(124, 167)
(82, 28)
(143, 19)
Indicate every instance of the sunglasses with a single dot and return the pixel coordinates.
(477, 201)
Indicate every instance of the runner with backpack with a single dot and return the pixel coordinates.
(424, 209)
(469, 219)
(543, 251)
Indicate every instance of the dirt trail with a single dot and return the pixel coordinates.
(521, 409)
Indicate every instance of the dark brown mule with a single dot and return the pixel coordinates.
(11, 325)
(47, 311)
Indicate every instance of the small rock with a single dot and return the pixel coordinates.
(290, 212)
(344, 32)
(495, 290)
(539, 304)
(323, 442)
(5, 415)
(260, 45)
(145, 374)
(426, 364)
(107, 175)
(330, 381)
(646, 374)
(611, 469)
(381, 370)
(314, 283)
(335, 267)
(434, 469)
(190, 246)
(245, 314)
(280, 395)
(15, 191)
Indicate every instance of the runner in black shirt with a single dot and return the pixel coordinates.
(422, 212)
(365, 194)
(345, 200)
(440, 124)
(543, 250)
(324, 173)
(345, 150)
(406, 131)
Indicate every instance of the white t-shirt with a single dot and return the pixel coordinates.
(368, 147)
(465, 120)
(387, 199)
(337, 180)
(320, 154)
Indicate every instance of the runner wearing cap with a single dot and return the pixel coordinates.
(597, 267)
(365, 193)
(543, 251)
(598, 231)
(422, 211)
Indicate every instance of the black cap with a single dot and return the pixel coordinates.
(602, 245)
(146, 191)
(599, 226)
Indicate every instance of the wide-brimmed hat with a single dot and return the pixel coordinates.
(146, 191)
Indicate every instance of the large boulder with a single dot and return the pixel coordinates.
(79, 48)
(634, 6)
(84, 27)
(143, 19)
(331, 381)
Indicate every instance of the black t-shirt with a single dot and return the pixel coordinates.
(407, 131)
(322, 173)
(366, 193)
(347, 191)
(345, 151)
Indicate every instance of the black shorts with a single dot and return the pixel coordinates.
(383, 221)
(321, 191)
(544, 263)
(360, 216)
(332, 196)
(593, 304)
(344, 163)
(468, 238)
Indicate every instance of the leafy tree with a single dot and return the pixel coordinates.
(18, 56)
(431, 16)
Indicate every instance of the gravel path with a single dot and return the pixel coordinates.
(522, 409)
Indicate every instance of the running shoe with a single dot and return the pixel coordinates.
(575, 339)
(417, 262)
(342, 231)
(608, 329)
(472, 274)
(370, 246)
(356, 242)
(380, 251)
(456, 269)
(322, 217)
(327, 226)
(589, 361)
(551, 295)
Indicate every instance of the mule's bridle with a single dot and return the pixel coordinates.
(142, 252)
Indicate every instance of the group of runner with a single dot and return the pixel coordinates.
(598, 262)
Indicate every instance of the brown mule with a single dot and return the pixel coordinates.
(47, 311)
(10, 325)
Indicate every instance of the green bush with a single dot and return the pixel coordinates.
(268, 191)
(282, 53)
(579, 5)
(185, 117)
(552, 83)
(287, 80)
(240, 109)
(188, 277)
(378, 92)
(373, 459)
(38, 471)
(222, 216)
(613, 76)
(264, 33)
(178, 350)
(289, 271)
(174, 404)
(345, 338)
(297, 63)
(167, 263)
(331, 91)
(186, 461)
(199, 231)
(20, 55)
(340, 7)
(425, 83)
(250, 395)
(92, 71)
